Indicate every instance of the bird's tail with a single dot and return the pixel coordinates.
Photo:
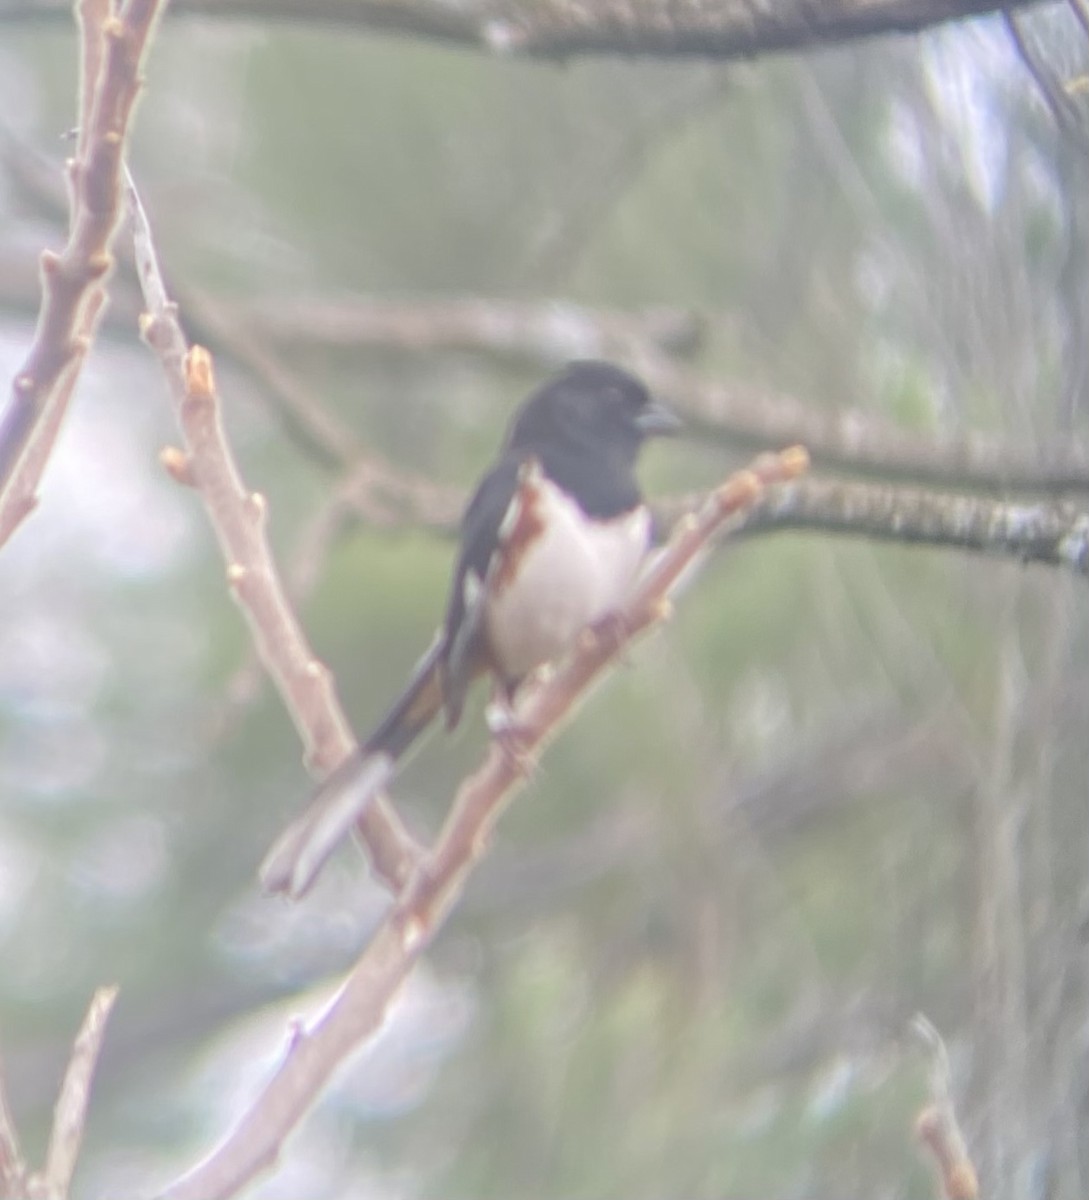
(293, 863)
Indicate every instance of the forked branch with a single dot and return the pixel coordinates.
(357, 1013)
(73, 281)
(238, 517)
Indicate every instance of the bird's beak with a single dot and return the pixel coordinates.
(657, 421)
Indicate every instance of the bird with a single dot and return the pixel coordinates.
(550, 543)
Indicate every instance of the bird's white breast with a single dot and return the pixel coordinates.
(572, 572)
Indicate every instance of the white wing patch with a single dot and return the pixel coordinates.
(574, 572)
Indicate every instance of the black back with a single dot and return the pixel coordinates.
(582, 427)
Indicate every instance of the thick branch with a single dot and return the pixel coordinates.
(314, 1055)
(717, 29)
(238, 518)
(1055, 534)
(73, 281)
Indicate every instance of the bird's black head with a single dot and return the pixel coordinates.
(591, 404)
(586, 425)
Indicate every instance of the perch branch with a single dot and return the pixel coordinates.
(1049, 533)
(314, 1054)
(73, 282)
(238, 517)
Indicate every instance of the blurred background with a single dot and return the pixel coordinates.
(846, 784)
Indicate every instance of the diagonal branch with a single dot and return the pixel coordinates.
(937, 1127)
(238, 517)
(1050, 533)
(13, 1170)
(54, 1181)
(70, 1112)
(315, 1054)
(1064, 112)
(73, 282)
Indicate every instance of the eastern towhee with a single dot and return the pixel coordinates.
(550, 543)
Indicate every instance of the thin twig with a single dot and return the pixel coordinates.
(937, 1126)
(549, 330)
(734, 413)
(13, 1172)
(238, 518)
(1081, 11)
(70, 1112)
(73, 282)
(1063, 110)
(54, 1180)
(314, 1055)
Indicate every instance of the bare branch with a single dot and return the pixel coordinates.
(549, 330)
(73, 282)
(1081, 11)
(719, 29)
(69, 1116)
(70, 1113)
(1049, 533)
(382, 500)
(736, 413)
(1053, 533)
(937, 1126)
(315, 1054)
(91, 16)
(853, 440)
(1063, 110)
(238, 518)
(12, 1164)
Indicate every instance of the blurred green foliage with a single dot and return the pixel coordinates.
(674, 993)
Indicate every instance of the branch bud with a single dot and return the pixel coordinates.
(200, 380)
(178, 465)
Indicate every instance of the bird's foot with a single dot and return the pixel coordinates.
(612, 632)
(510, 734)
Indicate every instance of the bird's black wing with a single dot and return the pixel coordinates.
(463, 647)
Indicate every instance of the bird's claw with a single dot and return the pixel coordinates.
(512, 736)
